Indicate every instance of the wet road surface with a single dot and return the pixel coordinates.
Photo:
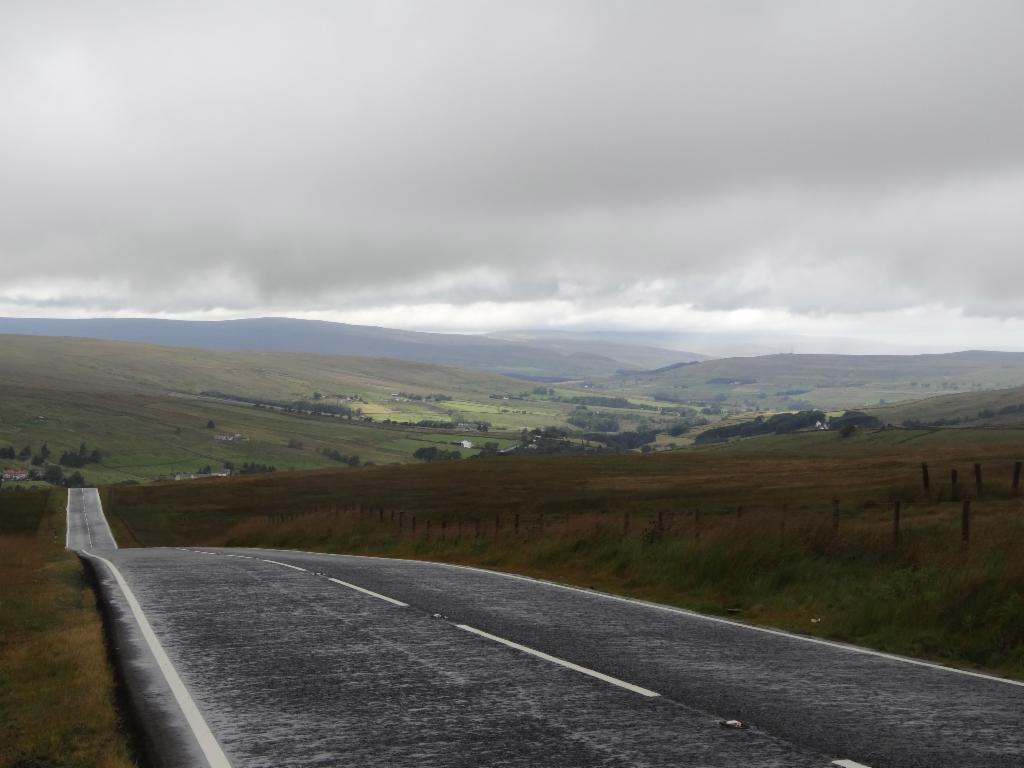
(298, 659)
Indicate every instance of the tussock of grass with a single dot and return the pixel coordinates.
(56, 688)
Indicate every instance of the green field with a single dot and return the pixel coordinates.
(143, 407)
(828, 382)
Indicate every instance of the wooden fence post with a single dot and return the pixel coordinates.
(977, 478)
(954, 491)
(896, 534)
(661, 521)
(414, 524)
(924, 478)
(965, 524)
(517, 523)
(1016, 477)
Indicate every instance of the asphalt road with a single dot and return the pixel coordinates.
(294, 659)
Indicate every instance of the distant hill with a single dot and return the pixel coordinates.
(796, 382)
(638, 355)
(990, 408)
(541, 359)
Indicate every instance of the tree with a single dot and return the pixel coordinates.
(25, 452)
(849, 430)
(96, 456)
(54, 475)
(210, 424)
(75, 480)
(44, 452)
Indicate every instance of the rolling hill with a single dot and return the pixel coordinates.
(147, 407)
(794, 382)
(537, 359)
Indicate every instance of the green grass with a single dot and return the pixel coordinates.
(139, 405)
(56, 688)
(829, 382)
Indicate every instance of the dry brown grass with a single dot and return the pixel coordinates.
(744, 530)
(56, 687)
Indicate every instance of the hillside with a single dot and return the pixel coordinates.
(794, 382)
(991, 408)
(581, 358)
(146, 407)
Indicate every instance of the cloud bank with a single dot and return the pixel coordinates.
(478, 164)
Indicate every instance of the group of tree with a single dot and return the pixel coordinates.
(334, 453)
(433, 453)
(288, 406)
(855, 419)
(593, 421)
(252, 468)
(778, 424)
(623, 441)
(81, 457)
(54, 475)
(988, 413)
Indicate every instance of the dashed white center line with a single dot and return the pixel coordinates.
(368, 592)
(562, 662)
(848, 764)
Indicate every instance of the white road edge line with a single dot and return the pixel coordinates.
(682, 612)
(848, 764)
(273, 562)
(562, 662)
(67, 522)
(379, 596)
(204, 736)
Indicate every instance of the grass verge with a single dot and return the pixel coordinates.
(57, 697)
(738, 533)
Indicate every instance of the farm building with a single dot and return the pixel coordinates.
(18, 473)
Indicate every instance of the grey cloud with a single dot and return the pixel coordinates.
(818, 157)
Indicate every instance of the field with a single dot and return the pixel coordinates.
(142, 406)
(56, 688)
(748, 530)
(828, 382)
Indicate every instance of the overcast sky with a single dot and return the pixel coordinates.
(849, 168)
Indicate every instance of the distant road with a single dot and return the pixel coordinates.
(271, 658)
